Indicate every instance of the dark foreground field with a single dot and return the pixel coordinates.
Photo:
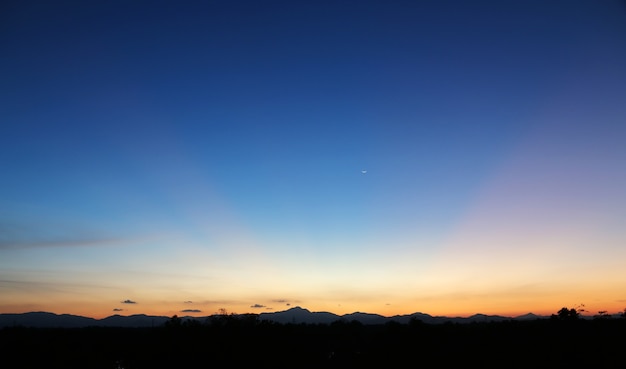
(246, 342)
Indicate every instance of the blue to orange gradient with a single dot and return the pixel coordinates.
(439, 157)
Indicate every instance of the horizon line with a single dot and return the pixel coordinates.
(118, 313)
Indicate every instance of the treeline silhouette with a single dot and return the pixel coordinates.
(562, 341)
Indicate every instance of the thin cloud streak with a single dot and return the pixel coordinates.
(19, 236)
(21, 244)
(36, 286)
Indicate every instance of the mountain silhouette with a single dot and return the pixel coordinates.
(46, 320)
(51, 320)
(295, 315)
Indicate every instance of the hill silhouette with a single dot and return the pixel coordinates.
(293, 315)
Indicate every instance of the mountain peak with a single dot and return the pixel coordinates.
(298, 308)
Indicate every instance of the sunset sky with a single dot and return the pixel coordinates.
(390, 157)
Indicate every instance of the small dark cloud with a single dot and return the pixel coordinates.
(118, 309)
(191, 311)
(288, 304)
(129, 302)
(188, 302)
(257, 306)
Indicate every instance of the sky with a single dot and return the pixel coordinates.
(389, 157)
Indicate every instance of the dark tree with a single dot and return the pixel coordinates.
(174, 322)
(566, 314)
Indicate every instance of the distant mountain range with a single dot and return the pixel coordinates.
(299, 315)
(51, 320)
(295, 315)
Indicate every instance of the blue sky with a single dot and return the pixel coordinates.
(220, 146)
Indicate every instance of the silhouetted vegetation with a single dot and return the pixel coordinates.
(566, 314)
(566, 340)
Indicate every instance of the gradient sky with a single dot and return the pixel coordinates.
(159, 156)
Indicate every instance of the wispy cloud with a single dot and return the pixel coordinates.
(257, 306)
(191, 311)
(129, 302)
(58, 242)
(188, 302)
(19, 236)
(118, 309)
(37, 286)
(283, 301)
